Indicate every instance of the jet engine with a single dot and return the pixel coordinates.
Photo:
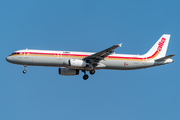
(68, 71)
(75, 63)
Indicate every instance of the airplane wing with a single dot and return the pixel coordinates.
(95, 58)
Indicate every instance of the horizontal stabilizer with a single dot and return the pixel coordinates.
(165, 58)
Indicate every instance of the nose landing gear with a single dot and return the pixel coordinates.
(24, 71)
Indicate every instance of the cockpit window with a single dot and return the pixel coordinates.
(12, 53)
(15, 53)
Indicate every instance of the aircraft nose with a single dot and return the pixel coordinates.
(8, 59)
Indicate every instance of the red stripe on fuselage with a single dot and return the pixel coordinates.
(82, 55)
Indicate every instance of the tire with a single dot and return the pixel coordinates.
(85, 77)
(92, 71)
(24, 71)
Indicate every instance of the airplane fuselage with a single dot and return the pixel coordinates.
(60, 58)
(70, 62)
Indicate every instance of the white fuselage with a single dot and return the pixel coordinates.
(60, 58)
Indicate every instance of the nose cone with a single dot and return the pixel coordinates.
(11, 59)
(8, 59)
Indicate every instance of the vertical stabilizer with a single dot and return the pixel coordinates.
(160, 47)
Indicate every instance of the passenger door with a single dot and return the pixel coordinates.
(145, 61)
(26, 54)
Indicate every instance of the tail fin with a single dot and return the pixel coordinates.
(160, 47)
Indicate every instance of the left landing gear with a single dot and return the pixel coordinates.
(24, 71)
(92, 71)
(85, 77)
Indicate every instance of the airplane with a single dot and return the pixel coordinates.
(70, 62)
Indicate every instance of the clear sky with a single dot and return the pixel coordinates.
(92, 26)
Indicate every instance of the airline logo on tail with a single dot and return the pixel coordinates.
(161, 43)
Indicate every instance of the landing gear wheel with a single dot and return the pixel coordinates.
(92, 71)
(85, 77)
(24, 71)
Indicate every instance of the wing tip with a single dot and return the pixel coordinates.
(120, 45)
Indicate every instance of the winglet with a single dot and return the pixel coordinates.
(120, 45)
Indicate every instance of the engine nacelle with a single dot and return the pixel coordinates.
(68, 71)
(75, 63)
